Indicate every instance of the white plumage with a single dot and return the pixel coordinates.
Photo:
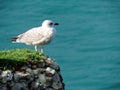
(38, 36)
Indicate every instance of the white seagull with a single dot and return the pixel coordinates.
(38, 36)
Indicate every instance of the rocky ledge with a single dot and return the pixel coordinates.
(42, 73)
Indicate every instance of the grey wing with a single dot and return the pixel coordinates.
(31, 36)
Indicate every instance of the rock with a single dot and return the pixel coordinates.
(50, 70)
(41, 64)
(6, 76)
(20, 86)
(34, 85)
(29, 70)
(49, 88)
(3, 87)
(41, 79)
(48, 81)
(20, 75)
(52, 64)
(56, 81)
(41, 75)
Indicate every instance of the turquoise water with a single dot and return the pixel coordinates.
(87, 44)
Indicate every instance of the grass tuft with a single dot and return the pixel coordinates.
(13, 58)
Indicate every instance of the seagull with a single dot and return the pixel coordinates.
(38, 36)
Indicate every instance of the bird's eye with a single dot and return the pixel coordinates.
(51, 24)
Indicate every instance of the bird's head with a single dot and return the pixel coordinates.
(49, 23)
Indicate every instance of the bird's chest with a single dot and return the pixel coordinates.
(49, 33)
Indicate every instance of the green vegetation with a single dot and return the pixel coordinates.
(18, 57)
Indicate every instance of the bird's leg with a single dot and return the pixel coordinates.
(42, 49)
(36, 48)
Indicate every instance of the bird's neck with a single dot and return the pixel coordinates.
(48, 28)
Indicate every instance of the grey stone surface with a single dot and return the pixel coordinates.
(43, 75)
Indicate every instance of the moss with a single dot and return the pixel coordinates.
(18, 57)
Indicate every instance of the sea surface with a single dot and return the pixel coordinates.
(87, 43)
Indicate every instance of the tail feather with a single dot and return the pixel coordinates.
(14, 39)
